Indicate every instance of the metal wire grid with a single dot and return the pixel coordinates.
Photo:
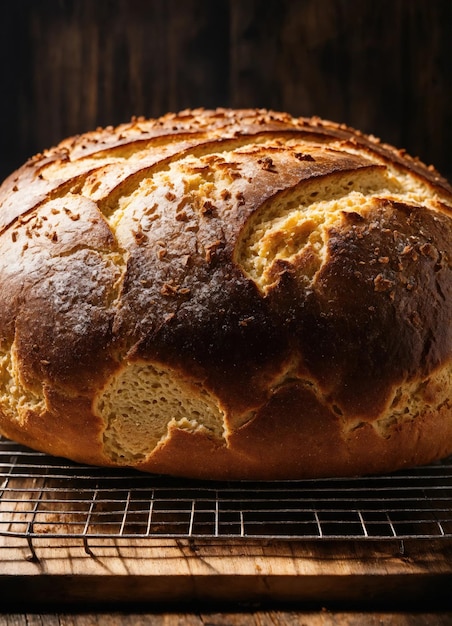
(41, 496)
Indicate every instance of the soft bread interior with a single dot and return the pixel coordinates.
(411, 400)
(140, 404)
(15, 399)
(295, 223)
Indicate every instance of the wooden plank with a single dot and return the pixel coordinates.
(256, 618)
(198, 54)
(381, 67)
(187, 572)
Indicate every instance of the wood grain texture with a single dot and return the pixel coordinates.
(67, 66)
(119, 575)
(257, 618)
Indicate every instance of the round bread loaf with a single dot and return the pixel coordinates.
(228, 294)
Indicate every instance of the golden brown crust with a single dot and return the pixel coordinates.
(318, 450)
(286, 282)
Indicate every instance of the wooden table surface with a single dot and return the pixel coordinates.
(258, 618)
(172, 582)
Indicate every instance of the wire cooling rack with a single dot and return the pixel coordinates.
(42, 496)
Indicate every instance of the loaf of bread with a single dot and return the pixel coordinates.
(228, 294)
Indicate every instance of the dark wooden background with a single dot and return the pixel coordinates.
(384, 66)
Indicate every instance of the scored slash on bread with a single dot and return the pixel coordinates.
(228, 294)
